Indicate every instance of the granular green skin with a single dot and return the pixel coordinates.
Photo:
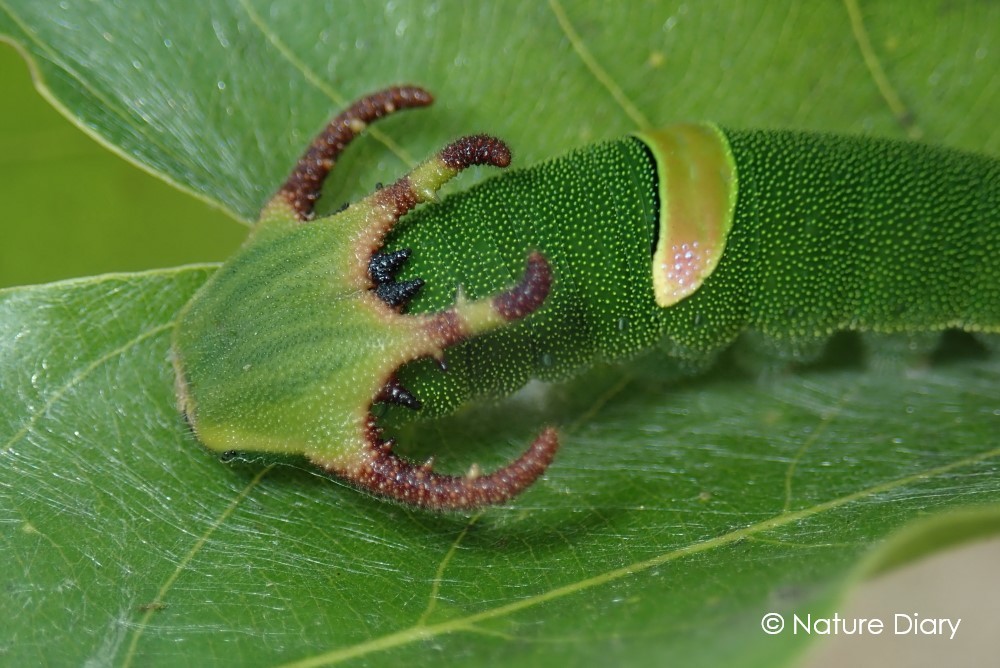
(591, 214)
(835, 233)
(830, 233)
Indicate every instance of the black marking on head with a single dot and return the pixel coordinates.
(383, 267)
(399, 294)
(393, 392)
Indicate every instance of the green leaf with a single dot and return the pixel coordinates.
(678, 512)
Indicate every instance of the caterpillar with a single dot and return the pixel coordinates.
(683, 238)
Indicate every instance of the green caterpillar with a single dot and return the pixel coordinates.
(683, 238)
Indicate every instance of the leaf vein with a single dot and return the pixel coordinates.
(595, 68)
(316, 81)
(82, 375)
(432, 597)
(904, 115)
(825, 421)
(188, 558)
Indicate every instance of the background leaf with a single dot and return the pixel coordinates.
(678, 512)
(73, 209)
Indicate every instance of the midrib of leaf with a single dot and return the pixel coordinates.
(598, 72)
(421, 631)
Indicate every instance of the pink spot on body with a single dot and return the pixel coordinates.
(685, 269)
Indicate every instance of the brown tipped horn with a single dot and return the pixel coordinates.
(302, 188)
(387, 474)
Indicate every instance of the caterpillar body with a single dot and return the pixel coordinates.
(683, 238)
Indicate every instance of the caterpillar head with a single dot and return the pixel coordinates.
(292, 341)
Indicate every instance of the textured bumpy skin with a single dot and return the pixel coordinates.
(833, 233)
(542, 271)
(829, 233)
(592, 213)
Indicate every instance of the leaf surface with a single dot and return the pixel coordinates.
(677, 513)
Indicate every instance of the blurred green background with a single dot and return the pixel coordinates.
(74, 208)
